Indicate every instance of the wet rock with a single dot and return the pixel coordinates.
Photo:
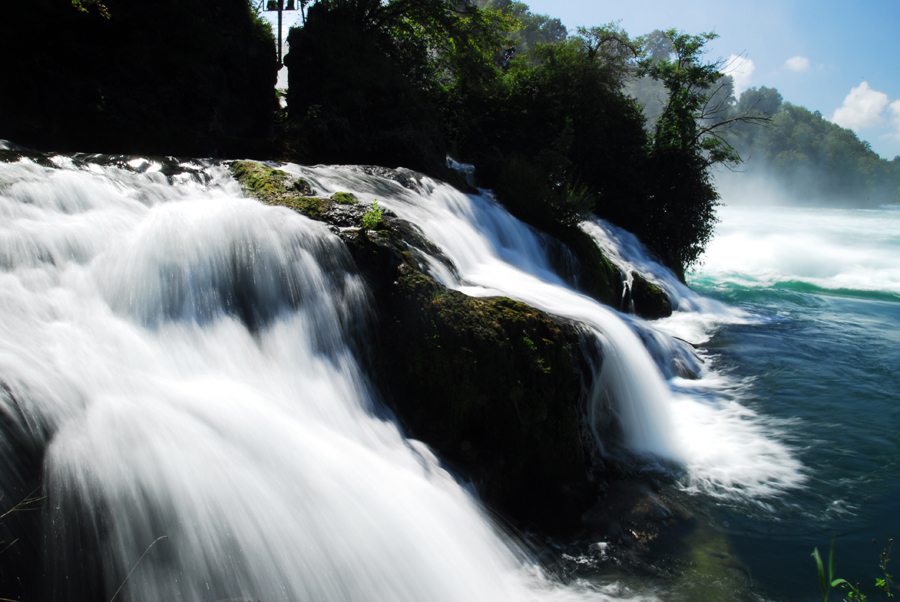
(634, 516)
(650, 301)
(344, 198)
(494, 386)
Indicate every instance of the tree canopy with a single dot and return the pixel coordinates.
(553, 132)
(811, 157)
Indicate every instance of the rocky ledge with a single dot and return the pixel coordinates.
(494, 386)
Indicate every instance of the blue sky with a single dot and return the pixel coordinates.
(838, 57)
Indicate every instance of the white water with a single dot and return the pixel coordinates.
(183, 352)
(829, 248)
(699, 425)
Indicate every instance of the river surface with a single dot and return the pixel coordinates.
(175, 364)
(820, 356)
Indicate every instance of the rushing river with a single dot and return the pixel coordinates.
(174, 362)
(820, 357)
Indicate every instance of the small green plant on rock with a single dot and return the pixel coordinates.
(372, 217)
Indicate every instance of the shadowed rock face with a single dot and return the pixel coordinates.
(494, 386)
(170, 77)
(650, 301)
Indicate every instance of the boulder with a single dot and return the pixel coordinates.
(494, 386)
(650, 301)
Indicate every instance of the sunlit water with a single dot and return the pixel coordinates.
(182, 352)
(821, 356)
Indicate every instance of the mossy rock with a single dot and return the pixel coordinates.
(593, 274)
(650, 302)
(276, 187)
(344, 198)
(266, 183)
(493, 385)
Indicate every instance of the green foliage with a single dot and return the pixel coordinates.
(610, 46)
(168, 77)
(554, 136)
(369, 80)
(532, 29)
(810, 156)
(827, 581)
(688, 81)
(406, 81)
(681, 204)
(84, 5)
(372, 217)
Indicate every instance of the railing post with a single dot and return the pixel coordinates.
(280, 6)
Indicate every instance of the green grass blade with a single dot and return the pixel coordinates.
(823, 582)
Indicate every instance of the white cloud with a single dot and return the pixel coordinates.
(798, 64)
(740, 68)
(862, 108)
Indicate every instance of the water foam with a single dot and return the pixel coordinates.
(249, 439)
(698, 426)
(834, 249)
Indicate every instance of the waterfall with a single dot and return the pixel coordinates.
(180, 355)
(696, 426)
(496, 254)
(176, 361)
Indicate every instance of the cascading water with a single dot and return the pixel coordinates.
(696, 424)
(180, 356)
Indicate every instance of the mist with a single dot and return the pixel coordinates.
(758, 183)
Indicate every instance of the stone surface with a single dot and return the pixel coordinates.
(650, 301)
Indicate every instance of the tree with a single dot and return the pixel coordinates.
(680, 209)
(533, 29)
(610, 45)
(84, 5)
(372, 81)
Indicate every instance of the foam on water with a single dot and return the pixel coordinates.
(181, 353)
(836, 249)
(722, 447)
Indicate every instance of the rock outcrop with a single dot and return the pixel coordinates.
(649, 301)
(494, 386)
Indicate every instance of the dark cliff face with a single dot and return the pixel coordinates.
(173, 77)
(495, 387)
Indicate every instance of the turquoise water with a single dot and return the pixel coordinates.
(820, 356)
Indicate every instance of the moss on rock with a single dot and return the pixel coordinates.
(276, 187)
(344, 198)
(650, 301)
(493, 385)
(594, 275)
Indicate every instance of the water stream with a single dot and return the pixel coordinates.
(176, 360)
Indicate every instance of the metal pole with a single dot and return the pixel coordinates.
(280, 3)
